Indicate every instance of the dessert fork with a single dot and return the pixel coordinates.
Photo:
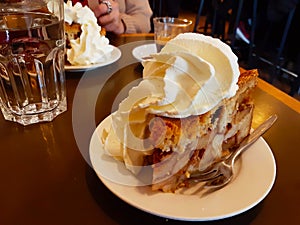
(222, 172)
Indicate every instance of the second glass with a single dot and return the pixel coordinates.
(166, 28)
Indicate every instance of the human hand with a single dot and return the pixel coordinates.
(108, 15)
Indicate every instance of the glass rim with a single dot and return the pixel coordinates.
(172, 21)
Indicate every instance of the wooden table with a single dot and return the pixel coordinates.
(46, 177)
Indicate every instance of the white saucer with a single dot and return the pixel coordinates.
(115, 55)
(257, 171)
(143, 51)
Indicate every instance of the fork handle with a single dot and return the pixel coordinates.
(252, 137)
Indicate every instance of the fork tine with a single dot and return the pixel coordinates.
(219, 181)
(205, 176)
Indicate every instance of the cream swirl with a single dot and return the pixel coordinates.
(196, 71)
(215, 52)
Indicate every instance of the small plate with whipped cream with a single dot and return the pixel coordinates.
(114, 56)
(87, 46)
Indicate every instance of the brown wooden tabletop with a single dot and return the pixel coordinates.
(45, 174)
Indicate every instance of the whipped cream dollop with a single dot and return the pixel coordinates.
(190, 76)
(90, 47)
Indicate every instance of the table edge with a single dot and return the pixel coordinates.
(280, 95)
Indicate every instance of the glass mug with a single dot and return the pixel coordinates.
(32, 76)
(166, 28)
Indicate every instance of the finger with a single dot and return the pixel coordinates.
(105, 7)
(108, 18)
(100, 10)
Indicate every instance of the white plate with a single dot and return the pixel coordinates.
(115, 55)
(143, 51)
(257, 171)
